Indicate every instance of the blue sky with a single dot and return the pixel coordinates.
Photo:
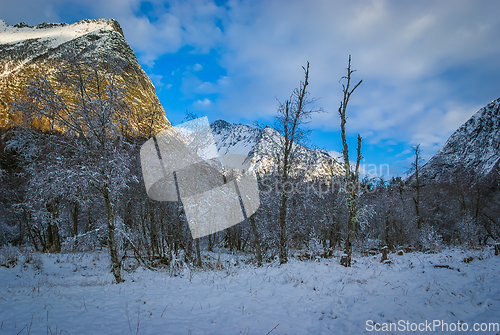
(426, 66)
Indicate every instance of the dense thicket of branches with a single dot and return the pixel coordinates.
(44, 213)
(292, 115)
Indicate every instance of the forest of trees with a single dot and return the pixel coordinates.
(77, 185)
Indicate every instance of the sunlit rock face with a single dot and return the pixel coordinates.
(26, 51)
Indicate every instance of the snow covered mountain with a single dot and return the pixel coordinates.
(262, 146)
(473, 148)
(26, 51)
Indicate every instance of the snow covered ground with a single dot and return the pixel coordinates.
(75, 294)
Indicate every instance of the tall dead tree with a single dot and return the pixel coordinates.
(351, 178)
(415, 169)
(292, 115)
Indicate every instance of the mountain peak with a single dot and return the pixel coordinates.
(263, 148)
(474, 148)
(219, 125)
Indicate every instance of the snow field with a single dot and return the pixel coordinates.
(75, 294)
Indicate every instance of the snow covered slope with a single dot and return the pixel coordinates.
(474, 147)
(262, 146)
(26, 51)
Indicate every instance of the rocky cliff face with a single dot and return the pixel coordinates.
(472, 150)
(26, 51)
(263, 146)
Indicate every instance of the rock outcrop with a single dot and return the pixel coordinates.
(26, 51)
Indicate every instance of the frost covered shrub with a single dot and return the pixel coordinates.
(368, 245)
(314, 247)
(130, 264)
(85, 242)
(430, 239)
(9, 256)
(367, 236)
(177, 265)
(469, 232)
(7, 232)
(34, 260)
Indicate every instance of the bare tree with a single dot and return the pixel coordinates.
(292, 116)
(415, 169)
(351, 178)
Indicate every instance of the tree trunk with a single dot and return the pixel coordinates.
(210, 243)
(115, 263)
(258, 253)
(53, 240)
(385, 253)
(351, 203)
(416, 150)
(74, 216)
(283, 237)
(198, 253)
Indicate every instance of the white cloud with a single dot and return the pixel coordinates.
(404, 153)
(29, 11)
(205, 102)
(156, 79)
(183, 23)
(192, 85)
(400, 50)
